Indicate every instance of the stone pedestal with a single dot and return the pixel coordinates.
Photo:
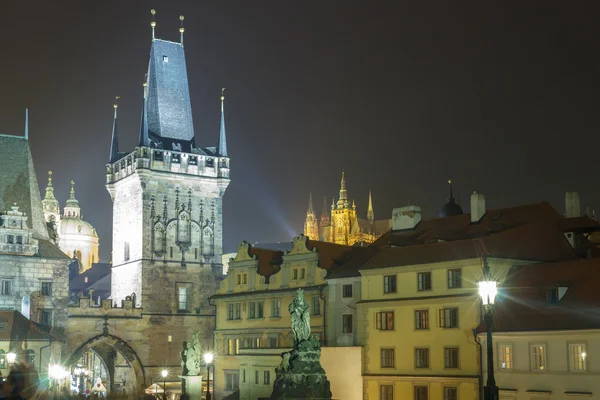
(193, 386)
(300, 375)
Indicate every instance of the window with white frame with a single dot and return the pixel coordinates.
(386, 392)
(255, 309)
(448, 318)
(423, 281)
(421, 319)
(538, 357)
(577, 355)
(422, 358)
(505, 356)
(450, 393)
(182, 297)
(234, 311)
(7, 285)
(454, 278)
(387, 358)
(267, 377)
(384, 321)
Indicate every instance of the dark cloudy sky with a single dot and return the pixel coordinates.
(399, 94)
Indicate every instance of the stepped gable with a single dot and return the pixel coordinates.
(523, 302)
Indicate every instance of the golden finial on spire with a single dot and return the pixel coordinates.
(116, 98)
(49, 178)
(181, 28)
(153, 23)
(450, 181)
(222, 98)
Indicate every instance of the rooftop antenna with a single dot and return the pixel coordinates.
(27, 124)
(153, 23)
(181, 29)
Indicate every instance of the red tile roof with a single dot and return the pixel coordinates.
(522, 303)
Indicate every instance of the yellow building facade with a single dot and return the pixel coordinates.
(253, 322)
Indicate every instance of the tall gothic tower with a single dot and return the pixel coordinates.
(167, 197)
(343, 216)
(311, 225)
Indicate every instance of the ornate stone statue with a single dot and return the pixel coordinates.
(300, 312)
(183, 354)
(193, 356)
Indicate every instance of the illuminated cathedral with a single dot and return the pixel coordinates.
(340, 223)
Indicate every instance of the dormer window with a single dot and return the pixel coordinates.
(165, 58)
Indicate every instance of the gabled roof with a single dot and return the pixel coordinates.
(522, 303)
(93, 275)
(15, 326)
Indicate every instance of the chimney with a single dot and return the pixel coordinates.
(477, 206)
(572, 205)
(406, 217)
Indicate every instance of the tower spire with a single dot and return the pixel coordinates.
(27, 124)
(370, 213)
(451, 198)
(310, 204)
(72, 196)
(50, 205)
(181, 29)
(153, 23)
(311, 225)
(49, 188)
(343, 200)
(114, 146)
(144, 122)
(325, 220)
(222, 148)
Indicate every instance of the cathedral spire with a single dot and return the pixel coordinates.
(325, 220)
(114, 146)
(310, 204)
(343, 200)
(370, 213)
(222, 148)
(311, 225)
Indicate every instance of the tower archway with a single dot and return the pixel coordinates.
(123, 366)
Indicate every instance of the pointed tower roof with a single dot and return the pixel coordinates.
(72, 202)
(343, 200)
(310, 205)
(325, 220)
(222, 147)
(370, 212)
(114, 145)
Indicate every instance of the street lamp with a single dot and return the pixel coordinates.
(208, 358)
(164, 374)
(488, 289)
(11, 357)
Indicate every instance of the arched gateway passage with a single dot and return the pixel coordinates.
(123, 366)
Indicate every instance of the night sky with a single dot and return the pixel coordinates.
(504, 99)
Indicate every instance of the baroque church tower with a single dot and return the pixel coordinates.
(167, 197)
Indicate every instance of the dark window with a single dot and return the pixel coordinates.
(171, 252)
(234, 311)
(384, 321)
(422, 319)
(451, 357)
(448, 318)
(46, 288)
(347, 291)
(389, 284)
(6, 287)
(387, 358)
(232, 380)
(424, 281)
(273, 342)
(211, 163)
(267, 377)
(244, 375)
(421, 392)
(30, 357)
(125, 252)
(421, 358)
(347, 323)
(194, 161)
(256, 377)
(196, 253)
(158, 155)
(552, 295)
(386, 392)
(19, 239)
(450, 393)
(46, 317)
(10, 239)
(316, 305)
(454, 278)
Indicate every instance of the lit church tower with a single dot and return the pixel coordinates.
(343, 216)
(311, 225)
(167, 197)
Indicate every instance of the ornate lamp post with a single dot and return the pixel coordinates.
(208, 358)
(488, 288)
(164, 374)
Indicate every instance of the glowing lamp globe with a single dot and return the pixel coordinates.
(488, 291)
(208, 357)
(11, 357)
(164, 373)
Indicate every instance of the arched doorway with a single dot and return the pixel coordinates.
(118, 365)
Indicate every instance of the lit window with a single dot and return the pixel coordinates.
(183, 298)
(384, 321)
(422, 319)
(165, 59)
(387, 358)
(538, 357)
(505, 356)
(577, 357)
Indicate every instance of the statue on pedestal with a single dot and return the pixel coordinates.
(193, 356)
(300, 312)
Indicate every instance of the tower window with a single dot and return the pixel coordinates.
(125, 252)
(165, 59)
(46, 288)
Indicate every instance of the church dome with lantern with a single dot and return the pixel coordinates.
(74, 236)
